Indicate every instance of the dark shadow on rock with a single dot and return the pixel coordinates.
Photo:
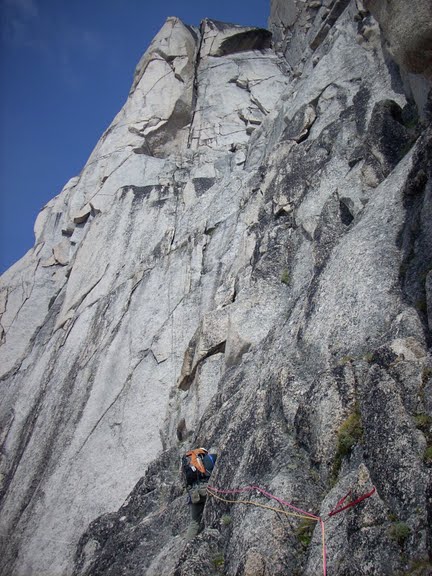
(386, 143)
(257, 39)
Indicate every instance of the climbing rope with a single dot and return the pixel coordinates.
(339, 508)
(298, 512)
(279, 510)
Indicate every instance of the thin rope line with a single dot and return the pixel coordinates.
(265, 493)
(304, 514)
(324, 549)
(259, 505)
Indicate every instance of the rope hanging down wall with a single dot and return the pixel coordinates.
(297, 512)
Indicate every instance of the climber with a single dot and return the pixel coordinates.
(197, 466)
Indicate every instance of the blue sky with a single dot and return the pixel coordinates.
(65, 68)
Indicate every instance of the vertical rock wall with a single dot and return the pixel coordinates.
(244, 261)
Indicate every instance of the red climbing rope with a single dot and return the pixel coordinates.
(339, 508)
(212, 491)
(272, 496)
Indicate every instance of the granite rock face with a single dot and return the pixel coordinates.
(244, 262)
(409, 38)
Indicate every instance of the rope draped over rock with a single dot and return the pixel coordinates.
(299, 513)
(339, 508)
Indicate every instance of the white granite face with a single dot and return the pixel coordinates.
(235, 94)
(236, 91)
(121, 278)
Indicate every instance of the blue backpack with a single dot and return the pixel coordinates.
(197, 465)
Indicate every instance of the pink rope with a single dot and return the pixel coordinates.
(252, 488)
(324, 547)
(338, 508)
(284, 503)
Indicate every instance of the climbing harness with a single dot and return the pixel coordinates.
(297, 512)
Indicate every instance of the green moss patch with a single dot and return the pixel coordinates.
(304, 531)
(285, 277)
(427, 458)
(399, 532)
(350, 433)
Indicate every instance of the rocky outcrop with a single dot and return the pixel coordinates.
(408, 31)
(243, 262)
(407, 38)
